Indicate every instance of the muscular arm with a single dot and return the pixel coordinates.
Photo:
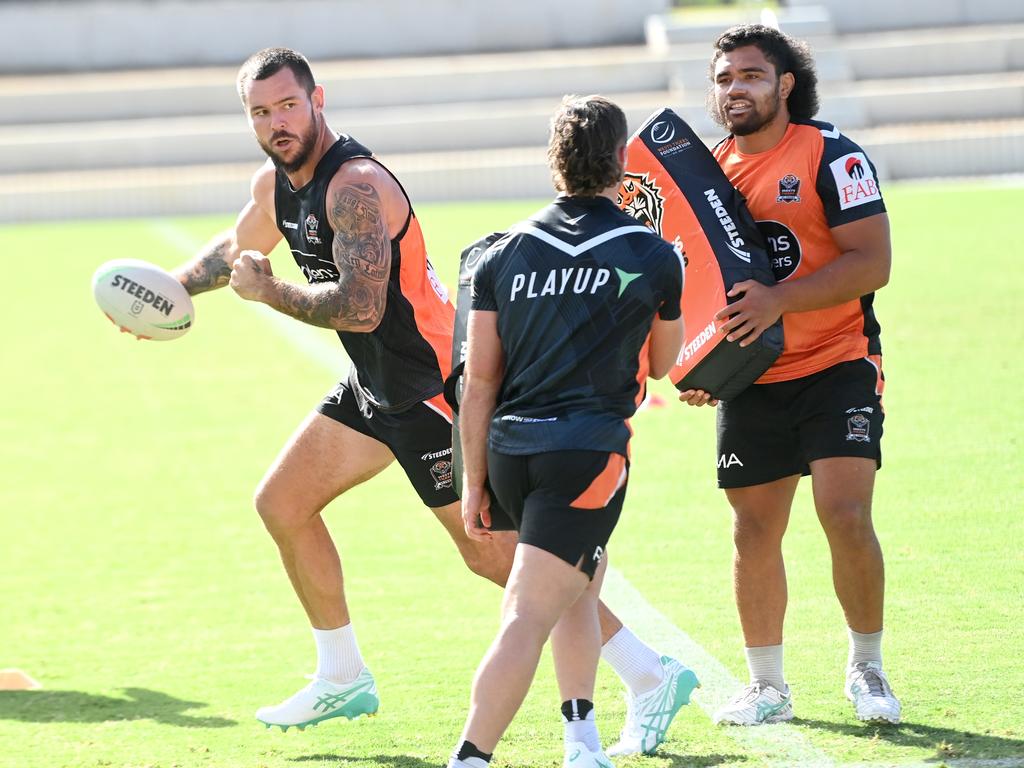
(210, 268)
(365, 207)
(254, 230)
(861, 267)
(362, 253)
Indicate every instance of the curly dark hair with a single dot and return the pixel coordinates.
(586, 134)
(269, 62)
(787, 55)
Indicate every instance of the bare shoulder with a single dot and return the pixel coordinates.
(367, 181)
(262, 186)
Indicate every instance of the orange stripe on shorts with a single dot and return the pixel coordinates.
(605, 485)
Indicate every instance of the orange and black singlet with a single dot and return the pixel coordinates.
(811, 181)
(406, 358)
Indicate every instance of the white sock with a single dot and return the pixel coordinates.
(469, 762)
(765, 663)
(637, 664)
(337, 654)
(864, 647)
(583, 730)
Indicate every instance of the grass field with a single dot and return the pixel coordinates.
(138, 586)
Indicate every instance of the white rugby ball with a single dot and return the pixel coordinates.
(142, 299)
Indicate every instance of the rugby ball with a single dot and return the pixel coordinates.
(142, 299)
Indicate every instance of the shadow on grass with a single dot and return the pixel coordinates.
(947, 743)
(79, 707)
(404, 761)
(700, 761)
(386, 761)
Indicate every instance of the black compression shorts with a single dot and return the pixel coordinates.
(564, 502)
(771, 431)
(419, 437)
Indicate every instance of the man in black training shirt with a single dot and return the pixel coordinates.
(562, 306)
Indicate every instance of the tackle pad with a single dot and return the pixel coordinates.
(674, 185)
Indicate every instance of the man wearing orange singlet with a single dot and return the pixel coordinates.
(818, 409)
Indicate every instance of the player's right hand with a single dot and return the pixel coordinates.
(476, 512)
(697, 397)
(249, 274)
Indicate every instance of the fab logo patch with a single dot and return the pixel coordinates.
(855, 181)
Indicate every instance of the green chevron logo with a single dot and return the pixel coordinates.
(625, 278)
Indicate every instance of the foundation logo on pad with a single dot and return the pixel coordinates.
(641, 198)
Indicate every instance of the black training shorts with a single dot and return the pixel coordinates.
(564, 502)
(419, 437)
(771, 431)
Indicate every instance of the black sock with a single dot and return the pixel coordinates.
(469, 749)
(576, 709)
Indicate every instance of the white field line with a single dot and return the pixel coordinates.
(320, 344)
(779, 746)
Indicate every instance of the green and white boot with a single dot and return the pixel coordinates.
(649, 715)
(578, 756)
(322, 700)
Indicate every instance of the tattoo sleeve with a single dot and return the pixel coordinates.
(209, 269)
(362, 253)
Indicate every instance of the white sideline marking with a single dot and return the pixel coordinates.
(779, 745)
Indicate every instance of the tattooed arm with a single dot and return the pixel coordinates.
(254, 229)
(365, 206)
(211, 267)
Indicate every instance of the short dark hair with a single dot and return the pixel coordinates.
(787, 55)
(586, 134)
(269, 62)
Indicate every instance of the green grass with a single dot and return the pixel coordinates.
(137, 584)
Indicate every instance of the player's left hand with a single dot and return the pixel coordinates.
(476, 512)
(759, 307)
(697, 397)
(249, 275)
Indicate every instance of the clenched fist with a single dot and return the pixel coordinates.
(250, 275)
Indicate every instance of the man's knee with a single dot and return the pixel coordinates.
(279, 514)
(848, 520)
(491, 561)
(755, 532)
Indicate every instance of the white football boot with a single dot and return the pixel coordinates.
(322, 700)
(578, 756)
(757, 704)
(869, 690)
(649, 715)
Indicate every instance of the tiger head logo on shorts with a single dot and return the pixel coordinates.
(442, 474)
(641, 198)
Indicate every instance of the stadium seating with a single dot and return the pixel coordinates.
(925, 102)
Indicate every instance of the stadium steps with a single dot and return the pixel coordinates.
(900, 151)
(426, 81)
(878, 15)
(216, 139)
(934, 52)
(888, 55)
(227, 138)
